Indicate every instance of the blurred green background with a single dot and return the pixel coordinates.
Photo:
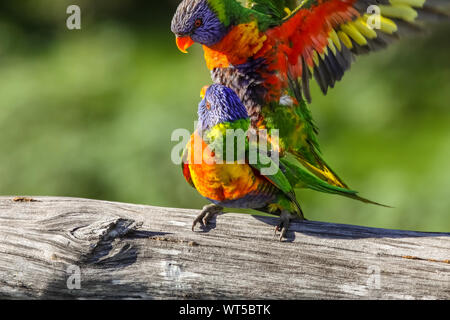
(90, 113)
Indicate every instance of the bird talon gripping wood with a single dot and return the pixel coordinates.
(208, 212)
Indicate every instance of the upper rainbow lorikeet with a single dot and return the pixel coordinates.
(319, 37)
(241, 182)
(264, 51)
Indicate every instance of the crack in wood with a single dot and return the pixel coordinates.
(424, 259)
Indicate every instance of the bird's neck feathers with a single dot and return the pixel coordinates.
(220, 9)
(229, 11)
(219, 131)
(242, 124)
(226, 121)
(231, 50)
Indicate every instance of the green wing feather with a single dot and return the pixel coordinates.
(290, 175)
(301, 178)
(298, 134)
(278, 178)
(264, 161)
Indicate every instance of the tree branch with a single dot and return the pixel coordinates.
(132, 251)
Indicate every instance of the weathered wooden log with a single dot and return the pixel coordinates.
(64, 248)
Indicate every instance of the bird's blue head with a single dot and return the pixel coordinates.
(201, 21)
(220, 105)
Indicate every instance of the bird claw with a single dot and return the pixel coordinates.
(283, 226)
(196, 221)
(208, 212)
(283, 231)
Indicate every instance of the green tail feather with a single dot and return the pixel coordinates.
(301, 178)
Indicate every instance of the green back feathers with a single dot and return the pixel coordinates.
(273, 8)
(265, 12)
(219, 7)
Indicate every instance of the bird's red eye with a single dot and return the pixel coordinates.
(198, 23)
(208, 106)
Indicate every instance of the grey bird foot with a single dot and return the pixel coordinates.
(208, 212)
(285, 221)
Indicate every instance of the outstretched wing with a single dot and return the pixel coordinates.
(321, 37)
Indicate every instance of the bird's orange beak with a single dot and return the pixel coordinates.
(183, 43)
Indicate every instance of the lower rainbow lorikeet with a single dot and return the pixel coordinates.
(241, 182)
(269, 49)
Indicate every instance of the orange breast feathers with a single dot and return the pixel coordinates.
(242, 42)
(218, 181)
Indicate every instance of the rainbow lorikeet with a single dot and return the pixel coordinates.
(270, 49)
(240, 182)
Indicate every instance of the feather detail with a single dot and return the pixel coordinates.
(243, 41)
(318, 25)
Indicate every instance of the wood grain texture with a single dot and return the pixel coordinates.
(129, 251)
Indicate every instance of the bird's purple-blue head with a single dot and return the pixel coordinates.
(220, 105)
(198, 21)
